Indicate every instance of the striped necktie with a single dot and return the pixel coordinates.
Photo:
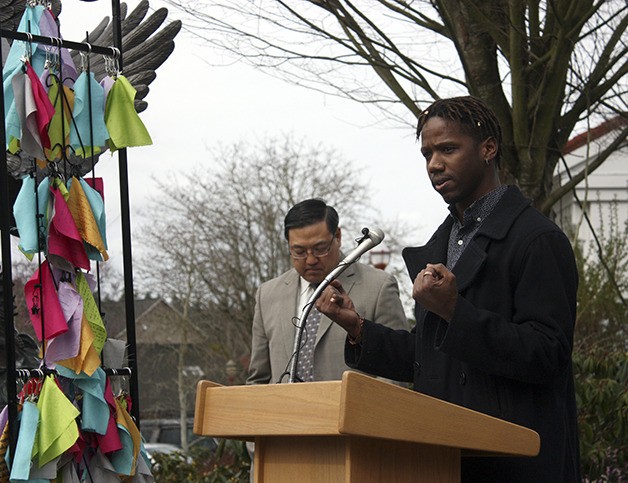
(305, 366)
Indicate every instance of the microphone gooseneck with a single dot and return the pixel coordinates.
(371, 238)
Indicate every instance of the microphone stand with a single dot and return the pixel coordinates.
(307, 308)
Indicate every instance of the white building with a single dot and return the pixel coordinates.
(604, 193)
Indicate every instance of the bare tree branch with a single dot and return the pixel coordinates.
(543, 65)
(219, 233)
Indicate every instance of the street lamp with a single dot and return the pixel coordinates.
(379, 258)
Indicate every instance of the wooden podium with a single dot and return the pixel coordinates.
(359, 429)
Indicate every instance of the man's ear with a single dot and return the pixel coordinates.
(489, 149)
(339, 235)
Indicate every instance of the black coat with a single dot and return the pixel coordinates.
(507, 350)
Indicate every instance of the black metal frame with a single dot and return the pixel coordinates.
(5, 222)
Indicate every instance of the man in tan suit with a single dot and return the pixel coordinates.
(314, 239)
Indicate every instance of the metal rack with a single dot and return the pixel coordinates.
(5, 220)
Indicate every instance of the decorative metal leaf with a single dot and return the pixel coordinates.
(147, 41)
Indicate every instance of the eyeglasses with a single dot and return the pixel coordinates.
(320, 250)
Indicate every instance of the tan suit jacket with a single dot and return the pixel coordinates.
(375, 294)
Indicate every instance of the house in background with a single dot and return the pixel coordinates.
(167, 356)
(604, 193)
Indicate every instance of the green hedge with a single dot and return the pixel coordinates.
(229, 463)
(601, 382)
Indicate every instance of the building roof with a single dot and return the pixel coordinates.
(157, 321)
(595, 133)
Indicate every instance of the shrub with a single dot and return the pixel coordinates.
(601, 382)
(229, 463)
(600, 355)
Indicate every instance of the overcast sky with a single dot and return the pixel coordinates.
(240, 103)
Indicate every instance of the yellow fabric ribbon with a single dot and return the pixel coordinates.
(91, 312)
(4, 444)
(57, 430)
(123, 418)
(87, 359)
(125, 127)
(83, 215)
(14, 148)
(60, 123)
(60, 185)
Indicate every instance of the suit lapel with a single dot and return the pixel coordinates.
(434, 251)
(495, 227)
(470, 263)
(287, 309)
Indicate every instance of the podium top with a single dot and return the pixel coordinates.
(358, 405)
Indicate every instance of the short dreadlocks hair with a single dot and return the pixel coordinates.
(472, 114)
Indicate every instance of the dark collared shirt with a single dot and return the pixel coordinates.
(472, 218)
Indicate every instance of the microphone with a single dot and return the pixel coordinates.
(371, 239)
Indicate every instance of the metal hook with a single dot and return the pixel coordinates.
(49, 54)
(116, 61)
(28, 48)
(83, 60)
(111, 65)
(107, 60)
